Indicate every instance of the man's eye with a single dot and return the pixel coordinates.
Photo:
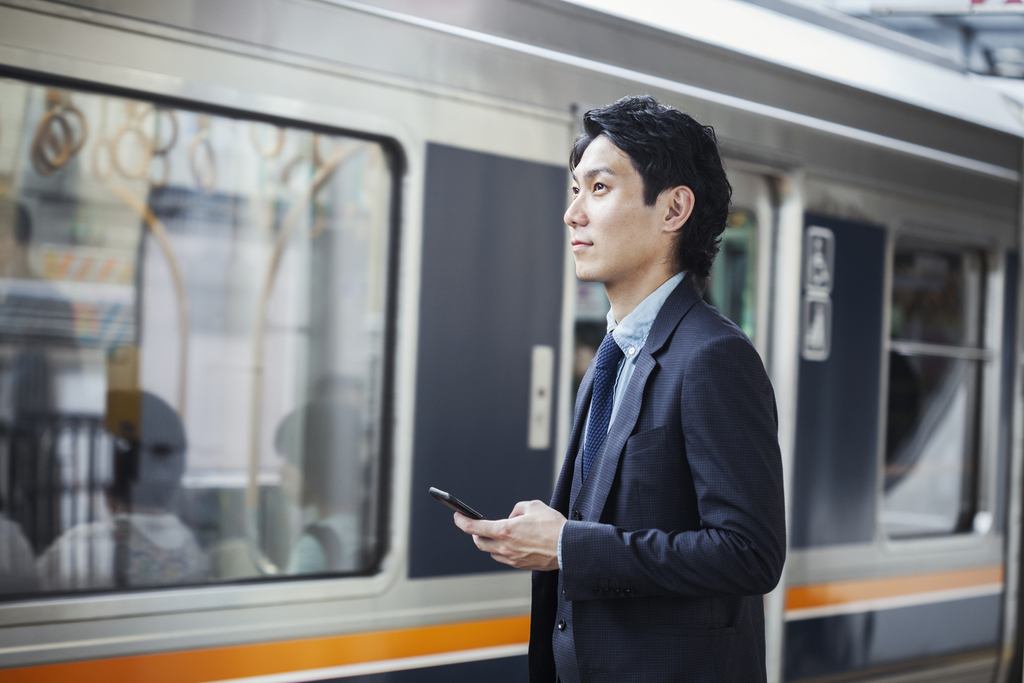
(574, 191)
(599, 186)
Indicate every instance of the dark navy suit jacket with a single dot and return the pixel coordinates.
(680, 527)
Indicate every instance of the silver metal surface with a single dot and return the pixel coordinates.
(556, 34)
(865, 561)
(783, 300)
(764, 111)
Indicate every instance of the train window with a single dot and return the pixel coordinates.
(935, 363)
(734, 275)
(192, 345)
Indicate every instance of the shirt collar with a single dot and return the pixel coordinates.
(631, 332)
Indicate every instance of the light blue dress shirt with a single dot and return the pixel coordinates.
(630, 335)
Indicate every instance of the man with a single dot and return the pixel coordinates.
(672, 483)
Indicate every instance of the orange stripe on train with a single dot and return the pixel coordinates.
(258, 659)
(842, 592)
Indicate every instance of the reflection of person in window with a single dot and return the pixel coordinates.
(320, 444)
(36, 330)
(142, 542)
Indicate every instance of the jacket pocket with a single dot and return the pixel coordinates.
(644, 441)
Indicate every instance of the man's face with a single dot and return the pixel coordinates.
(615, 237)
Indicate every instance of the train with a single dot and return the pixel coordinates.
(283, 265)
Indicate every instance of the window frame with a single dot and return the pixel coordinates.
(395, 143)
(766, 205)
(983, 414)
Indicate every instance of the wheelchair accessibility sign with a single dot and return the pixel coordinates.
(819, 264)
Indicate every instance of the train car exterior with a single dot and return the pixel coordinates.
(324, 240)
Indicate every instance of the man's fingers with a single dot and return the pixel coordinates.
(479, 527)
(488, 545)
(461, 521)
(519, 509)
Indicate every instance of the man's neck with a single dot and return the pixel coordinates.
(627, 295)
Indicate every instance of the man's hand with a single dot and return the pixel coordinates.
(528, 539)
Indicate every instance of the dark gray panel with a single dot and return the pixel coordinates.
(911, 635)
(836, 459)
(493, 254)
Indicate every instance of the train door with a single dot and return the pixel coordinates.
(898, 518)
(489, 336)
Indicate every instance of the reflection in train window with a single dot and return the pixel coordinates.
(192, 344)
(935, 362)
(732, 287)
(930, 298)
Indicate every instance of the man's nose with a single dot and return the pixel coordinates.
(575, 216)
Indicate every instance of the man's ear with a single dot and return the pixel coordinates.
(678, 202)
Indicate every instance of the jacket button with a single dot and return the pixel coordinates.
(561, 624)
(627, 591)
(618, 590)
(576, 515)
(564, 593)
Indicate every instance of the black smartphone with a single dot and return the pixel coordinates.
(450, 501)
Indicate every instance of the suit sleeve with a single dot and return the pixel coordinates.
(730, 427)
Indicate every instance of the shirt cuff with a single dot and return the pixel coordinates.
(559, 550)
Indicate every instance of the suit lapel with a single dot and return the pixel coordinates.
(560, 496)
(625, 419)
(678, 304)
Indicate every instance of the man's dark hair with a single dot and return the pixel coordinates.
(668, 148)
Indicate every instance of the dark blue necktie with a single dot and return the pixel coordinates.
(606, 369)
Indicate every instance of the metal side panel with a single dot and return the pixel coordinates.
(552, 28)
(491, 291)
